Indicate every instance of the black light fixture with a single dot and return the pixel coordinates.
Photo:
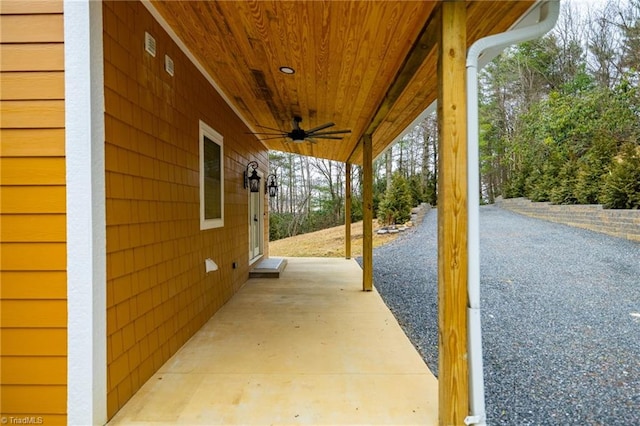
(252, 181)
(272, 185)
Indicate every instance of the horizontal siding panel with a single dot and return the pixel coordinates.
(32, 142)
(33, 313)
(33, 256)
(32, 199)
(29, 370)
(31, 28)
(30, 6)
(33, 228)
(32, 85)
(32, 57)
(31, 114)
(34, 285)
(32, 171)
(34, 399)
(34, 341)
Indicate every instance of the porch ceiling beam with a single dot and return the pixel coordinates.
(453, 391)
(424, 44)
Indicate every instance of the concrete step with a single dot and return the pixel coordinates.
(268, 268)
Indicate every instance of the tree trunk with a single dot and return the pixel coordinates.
(389, 166)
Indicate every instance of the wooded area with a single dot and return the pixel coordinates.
(560, 116)
(559, 122)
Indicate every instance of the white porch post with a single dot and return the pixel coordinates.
(86, 223)
(367, 213)
(347, 211)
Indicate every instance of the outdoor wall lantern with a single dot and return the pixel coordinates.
(252, 181)
(272, 185)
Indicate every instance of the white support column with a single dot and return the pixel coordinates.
(86, 222)
(347, 211)
(367, 213)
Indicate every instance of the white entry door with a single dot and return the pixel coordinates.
(256, 223)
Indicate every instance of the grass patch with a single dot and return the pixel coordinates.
(326, 243)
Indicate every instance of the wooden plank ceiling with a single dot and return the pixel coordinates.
(367, 66)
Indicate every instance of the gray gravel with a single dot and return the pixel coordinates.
(560, 316)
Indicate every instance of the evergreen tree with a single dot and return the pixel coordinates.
(395, 207)
(622, 185)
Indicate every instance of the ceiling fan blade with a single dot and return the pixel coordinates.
(273, 137)
(325, 137)
(324, 126)
(269, 128)
(332, 132)
(265, 133)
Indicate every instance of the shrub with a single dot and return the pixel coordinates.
(622, 185)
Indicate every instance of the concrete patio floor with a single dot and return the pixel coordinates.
(309, 348)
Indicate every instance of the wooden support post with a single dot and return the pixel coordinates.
(367, 213)
(347, 211)
(453, 379)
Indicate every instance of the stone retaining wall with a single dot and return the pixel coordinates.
(619, 223)
(418, 213)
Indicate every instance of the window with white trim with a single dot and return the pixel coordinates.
(211, 178)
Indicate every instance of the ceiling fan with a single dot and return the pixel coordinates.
(299, 135)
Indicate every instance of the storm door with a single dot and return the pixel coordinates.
(256, 223)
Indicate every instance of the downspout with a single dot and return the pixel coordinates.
(549, 12)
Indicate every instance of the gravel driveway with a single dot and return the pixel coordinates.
(560, 312)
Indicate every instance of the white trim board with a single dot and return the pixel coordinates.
(86, 219)
(215, 137)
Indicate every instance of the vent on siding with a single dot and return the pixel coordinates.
(168, 65)
(150, 44)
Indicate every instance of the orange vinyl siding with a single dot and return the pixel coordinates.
(23, 114)
(34, 57)
(32, 228)
(39, 85)
(33, 307)
(158, 294)
(32, 171)
(32, 142)
(27, 7)
(19, 28)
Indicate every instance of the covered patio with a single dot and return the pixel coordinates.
(162, 226)
(307, 348)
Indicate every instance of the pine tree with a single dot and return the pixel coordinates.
(622, 185)
(395, 207)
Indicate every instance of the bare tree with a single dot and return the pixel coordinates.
(388, 161)
(604, 59)
(630, 27)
